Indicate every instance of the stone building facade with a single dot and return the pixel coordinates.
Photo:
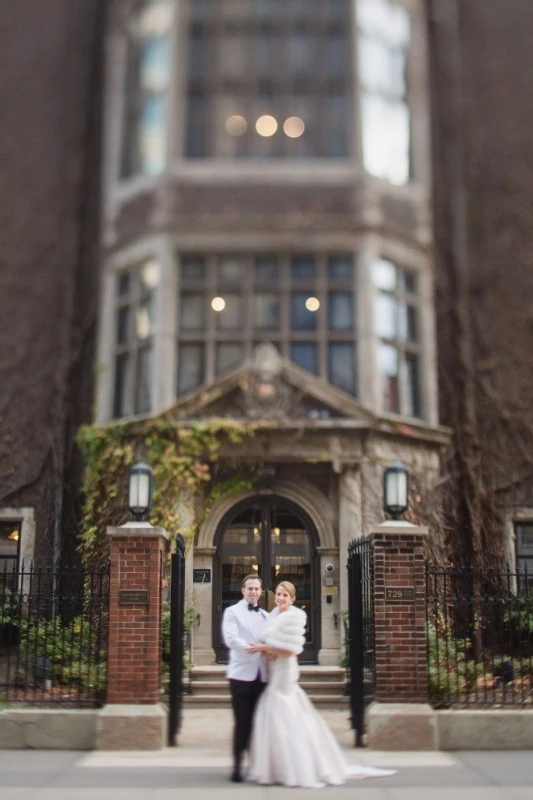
(267, 255)
(209, 175)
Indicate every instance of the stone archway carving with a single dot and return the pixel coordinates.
(302, 493)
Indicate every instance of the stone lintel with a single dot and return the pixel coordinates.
(205, 551)
(132, 727)
(402, 726)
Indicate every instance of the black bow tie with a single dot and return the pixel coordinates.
(253, 608)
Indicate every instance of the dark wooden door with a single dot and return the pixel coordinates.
(275, 539)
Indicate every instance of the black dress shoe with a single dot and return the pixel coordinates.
(236, 776)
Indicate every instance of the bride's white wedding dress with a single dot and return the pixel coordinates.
(291, 743)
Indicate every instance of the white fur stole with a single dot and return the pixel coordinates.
(286, 630)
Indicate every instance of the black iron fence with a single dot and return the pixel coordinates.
(360, 633)
(177, 640)
(53, 636)
(480, 637)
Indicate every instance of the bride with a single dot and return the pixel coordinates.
(291, 743)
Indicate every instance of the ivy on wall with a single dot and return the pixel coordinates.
(183, 458)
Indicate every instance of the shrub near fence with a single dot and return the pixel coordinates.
(53, 636)
(480, 638)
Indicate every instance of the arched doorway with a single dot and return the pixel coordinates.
(276, 539)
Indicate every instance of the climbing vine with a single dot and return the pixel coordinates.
(184, 460)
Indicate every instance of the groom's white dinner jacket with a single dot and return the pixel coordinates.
(240, 627)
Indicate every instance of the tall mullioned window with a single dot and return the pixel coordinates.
(384, 37)
(396, 321)
(524, 555)
(304, 304)
(144, 141)
(134, 330)
(269, 78)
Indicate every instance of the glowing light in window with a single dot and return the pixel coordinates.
(156, 19)
(218, 304)
(236, 125)
(312, 304)
(144, 324)
(150, 274)
(294, 127)
(266, 125)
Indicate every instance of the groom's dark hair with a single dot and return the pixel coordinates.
(251, 577)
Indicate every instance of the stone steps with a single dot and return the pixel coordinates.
(207, 686)
(222, 701)
(311, 687)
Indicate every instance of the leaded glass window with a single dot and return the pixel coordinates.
(9, 551)
(302, 303)
(144, 140)
(524, 555)
(384, 38)
(269, 79)
(134, 331)
(396, 313)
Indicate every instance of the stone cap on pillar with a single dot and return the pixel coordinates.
(398, 527)
(140, 529)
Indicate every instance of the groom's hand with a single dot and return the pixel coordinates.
(256, 647)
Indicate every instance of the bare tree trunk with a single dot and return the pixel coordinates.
(454, 257)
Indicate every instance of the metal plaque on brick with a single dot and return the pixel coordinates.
(394, 594)
(201, 576)
(133, 597)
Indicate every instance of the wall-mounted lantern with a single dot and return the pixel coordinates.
(396, 489)
(140, 490)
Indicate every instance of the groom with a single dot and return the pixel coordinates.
(241, 628)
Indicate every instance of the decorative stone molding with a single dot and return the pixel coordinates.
(302, 493)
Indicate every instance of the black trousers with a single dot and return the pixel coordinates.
(244, 697)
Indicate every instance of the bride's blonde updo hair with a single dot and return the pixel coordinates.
(290, 587)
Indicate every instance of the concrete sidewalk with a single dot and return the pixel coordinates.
(199, 768)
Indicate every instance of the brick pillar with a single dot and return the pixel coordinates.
(400, 717)
(133, 718)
